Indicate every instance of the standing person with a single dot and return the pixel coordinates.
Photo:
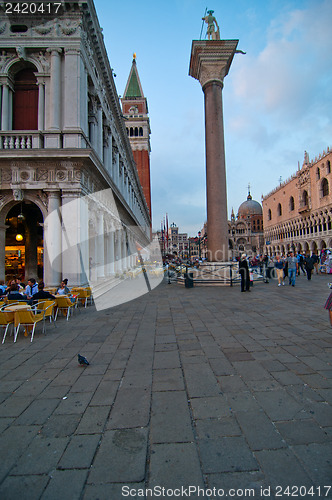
(279, 265)
(315, 259)
(309, 265)
(328, 305)
(244, 272)
(293, 267)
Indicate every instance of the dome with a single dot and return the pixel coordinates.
(249, 207)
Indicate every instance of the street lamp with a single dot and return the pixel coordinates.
(199, 245)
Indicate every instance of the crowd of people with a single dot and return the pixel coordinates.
(31, 292)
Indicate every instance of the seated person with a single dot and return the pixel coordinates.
(14, 294)
(31, 287)
(63, 289)
(2, 288)
(41, 294)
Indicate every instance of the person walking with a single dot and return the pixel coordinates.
(315, 259)
(293, 267)
(308, 265)
(244, 272)
(279, 265)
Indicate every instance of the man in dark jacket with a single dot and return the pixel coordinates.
(41, 294)
(14, 293)
(309, 265)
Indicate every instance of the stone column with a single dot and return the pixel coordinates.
(100, 247)
(210, 63)
(3, 228)
(75, 237)
(55, 88)
(5, 107)
(41, 105)
(53, 240)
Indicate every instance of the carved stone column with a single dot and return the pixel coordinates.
(53, 240)
(210, 63)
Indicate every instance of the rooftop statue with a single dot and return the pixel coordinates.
(212, 32)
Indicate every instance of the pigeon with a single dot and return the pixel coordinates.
(82, 360)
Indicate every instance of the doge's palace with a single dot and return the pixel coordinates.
(62, 142)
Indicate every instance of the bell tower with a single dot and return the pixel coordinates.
(135, 112)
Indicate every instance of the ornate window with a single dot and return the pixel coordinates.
(269, 214)
(328, 167)
(291, 204)
(325, 187)
(25, 102)
(318, 173)
(279, 209)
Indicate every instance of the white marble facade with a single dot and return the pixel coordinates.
(79, 148)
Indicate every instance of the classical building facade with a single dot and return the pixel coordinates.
(246, 230)
(298, 214)
(63, 140)
(135, 111)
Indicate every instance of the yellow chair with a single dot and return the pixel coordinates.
(11, 302)
(27, 318)
(64, 304)
(89, 294)
(82, 295)
(6, 319)
(48, 307)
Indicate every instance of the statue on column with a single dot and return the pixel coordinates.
(212, 32)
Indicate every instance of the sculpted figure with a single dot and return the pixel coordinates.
(212, 32)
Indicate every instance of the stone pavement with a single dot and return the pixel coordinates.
(205, 388)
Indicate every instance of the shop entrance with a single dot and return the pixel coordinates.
(24, 242)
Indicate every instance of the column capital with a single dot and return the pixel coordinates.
(211, 59)
(54, 51)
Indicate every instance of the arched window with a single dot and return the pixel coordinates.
(328, 167)
(305, 198)
(269, 214)
(279, 209)
(318, 173)
(140, 132)
(136, 132)
(25, 101)
(291, 204)
(325, 187)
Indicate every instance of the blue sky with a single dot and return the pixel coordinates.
(277, 98)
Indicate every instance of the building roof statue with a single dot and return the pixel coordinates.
(212, 32)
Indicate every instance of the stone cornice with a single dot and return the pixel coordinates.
(211, 59)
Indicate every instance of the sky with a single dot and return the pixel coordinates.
(276, 98)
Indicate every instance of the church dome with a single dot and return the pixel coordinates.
(249, 207)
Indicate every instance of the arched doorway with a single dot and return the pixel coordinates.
(24, 246)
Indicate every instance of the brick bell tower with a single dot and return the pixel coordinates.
(135, 112)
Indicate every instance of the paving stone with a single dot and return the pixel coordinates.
(15, 487)
(217, 427)
(93, 420)
(170, 418)
(65, 484)
(301, 432)
(13, 442)
(86, 383)
(14, 406)
(279, 405)
(316, 459)
(210, 407)
(232, 383)
(166, 360)
(242, 484)
(200, 381)
(105, 394)
(38, 412)
(243, 401)
(80, 452)
(168, 380)
(228, 454)
(282, 468)
(121, 457)
(60, 426)
(41, 457)
(131, 409)
(251, 370)
(174, 465)
(111, 491)
(259, 431)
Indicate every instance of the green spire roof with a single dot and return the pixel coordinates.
(133, 88)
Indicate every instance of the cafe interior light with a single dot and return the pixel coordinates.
(19, 237)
